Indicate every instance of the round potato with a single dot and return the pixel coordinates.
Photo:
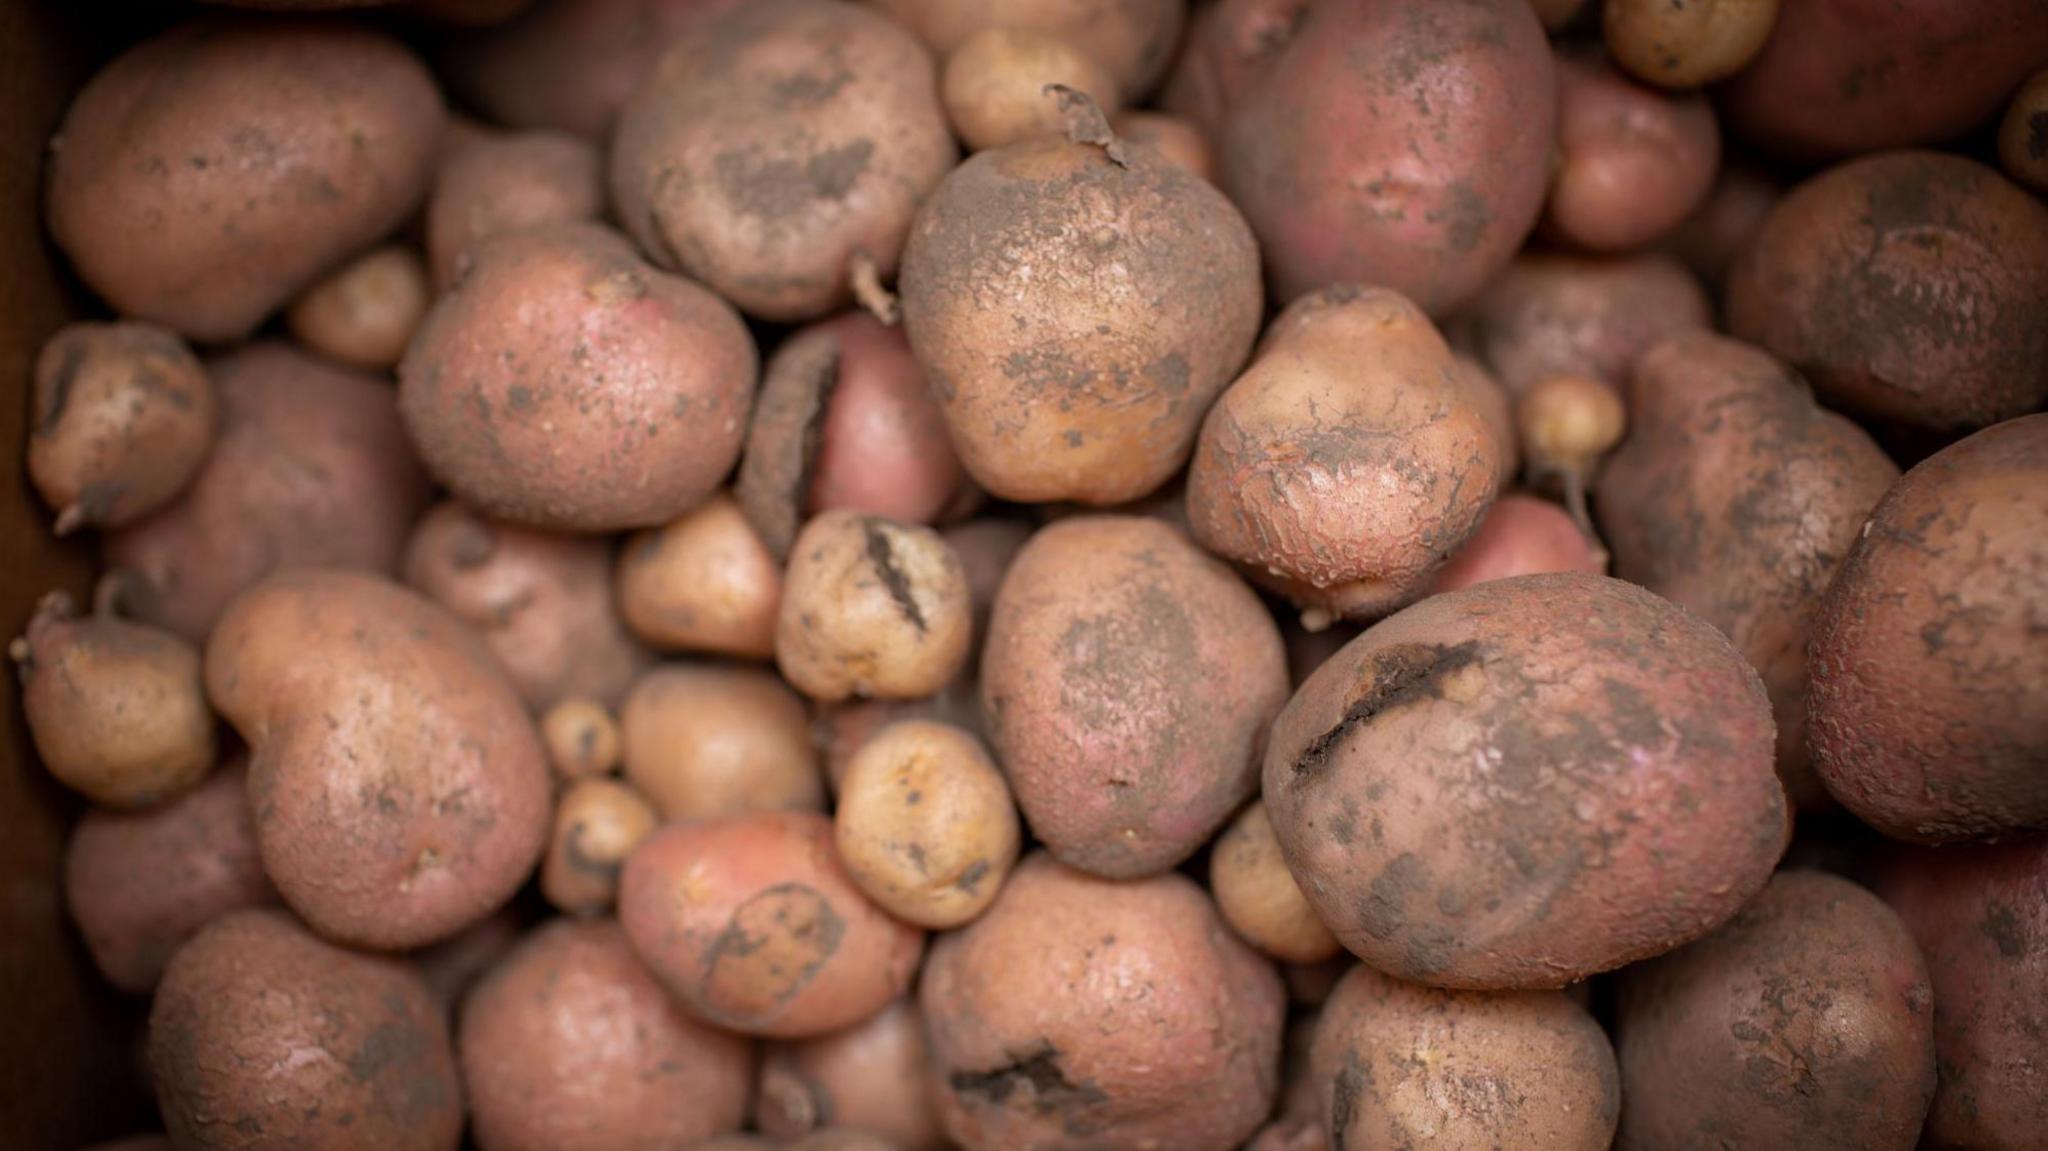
(1632, 162)
(598, 823)
(706, 582)
(1686, 45)
(994, 85)
(1133, 39)
(706, 741)
(842, 729)
(2023, 134)
(363, 313)
(872, 608)
(1174, 137)
(1521, 535)
(493, 184)
(1258, 896)
(1552, 315)
(582, 738)
(871, 1077)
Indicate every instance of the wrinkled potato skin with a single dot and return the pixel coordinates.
(708, 741)
(264, 1037)
(872, 608)
(568, 1044)
(139, 885)
(1634, 162)
(1474, 799)
(1082, 1013)
(311, 468)
(1806, 1021)
(1399, 1065)
(399, 788)
(1980, 914)
(1716, 235)
(1928, 715)
(873, 1076)
(598, 823)
(542, 602)
(1127, 684)
(1552, 315)
(752, 925)
(706, 582)
(1521, 535)
(1134, 39)
(1737, 497)
(207, 175)
(1907, 287)
(491, 184)
(1350, 460)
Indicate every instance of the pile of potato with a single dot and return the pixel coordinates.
(728, 574)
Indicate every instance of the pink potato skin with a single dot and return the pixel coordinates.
(1633, 161)
(1549, 315)
(489, 184)
(1521, 535)
(884, 449)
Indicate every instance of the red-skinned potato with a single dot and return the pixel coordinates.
(872, 608)
(706, 582)
(568, 1044)
(598, 823)
(399, 788)
(2023, 134)
(1552, 315)
(1717, 233)
(1686, 45)
(706, 741)
(1526, 782)
(873, 1076)
(1521, 535)
(1928, 710)
(208, 174)
(1133, 39)
(1083, 1013)
(566, 384)
(363, 313)
(752, 925)
(263, 1035)
(1805, 1021)
(1127, 683)
(492, 184)
(1632, 162)
(311, 468)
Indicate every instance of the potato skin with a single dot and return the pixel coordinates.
(993, 85)
(208, 174)
(1127, 683)
(1174, 137)
(1928, 711)
(568, 1044)
(399, 788)
(1082, 1013)
(264, 1037)
(873, 1076)
(2023, 134)
(1475, 799)
(1906, 286)
(1555, 315)
(1805, 1021)
(1633, 161)
(705, 582)
(1737, 497)
(1521, 535)
(1397, 1065)
(490, 184)
(872, 608)
(1134, 39)
(708, 741)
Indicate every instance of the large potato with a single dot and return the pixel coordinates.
(1133, 39)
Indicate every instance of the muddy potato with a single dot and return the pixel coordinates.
(2023, 134)
(568, 1044)
(1084, 1013)
(598, 823)
(363, 313)
(1632, 162)
(265, 1036)
(1526, 782)
(872, 608)
(1906, 286)
(1127, 684)
(1258, 896)
(1521, 535)
(706, 582)
(490, 184)
(1396, 1064)
(399, 788)
(871, 1077)
(752, 925)
(1552, 315)
(1928, 708)
(703, 741)
(582, 738)
(1174, 137)
(994, 85)
(1686, 45)
(211, 172)
(1133, 39)
(1717, 233)
(1737, 497)
(1350, 460)
(310, 469)
(1805, 1021)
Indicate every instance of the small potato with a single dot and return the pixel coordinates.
(1258, 896)
(1521, 535)
(707, 741)
(1174, 137)
(582, 738)
(1686, 45)
(2023, 134)
(925, 824)
(598, 823)
(1632, 162)
(140, 884)
(210, 173)
(1134, 39)
(752, 925)
(1806, 1021)
(265, 1036)
(363, 313)
(124, 416)
(492, 184)
(706, 582)
(117, 709)
(842, 729)
(400, 790)
(872, 608)
(873, 1077)
(1496, 406)
(1550, 315)
(1717, 233)
(568, 1044)
(994, 85)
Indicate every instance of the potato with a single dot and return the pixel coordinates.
(491, 184)
(1736, 496)
(117, 709)
(1633, 162)
(1805, 1021)
(1521, 535)
(1399, 1065)
(1392, 144)
(263, 1036)
(2023, 134)
(1527, 782)
(124, 415)
(870, 1077)
(1686, 45)
(310, 469)
(872, 608)
(1083, 1013)
(541, 602)
(208, 174)
(570, 1045)
(1089, 385)
(1175, 138)
(140, 884)
(582, 738)
(1258, 896)
(568, 385)
(1717, 233)
(752, 925)
(1127, 684)
(1553, 315)
(994, 85)
(706, 741)
(363, 313)
(1906, 286)
(399, 788)
(1497, 407)
(841, 729)
(1349, 461)
(1133, 39)
(598, 823)
(1980, 916)
(706, 582)
(1928, 710)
